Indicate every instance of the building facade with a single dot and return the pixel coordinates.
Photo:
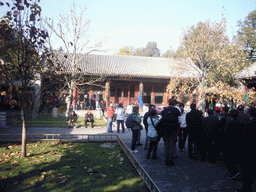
(124, 77)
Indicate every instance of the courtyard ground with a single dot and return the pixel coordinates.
(187, 175)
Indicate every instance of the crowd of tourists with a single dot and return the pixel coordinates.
(220, 136)
(226, 136)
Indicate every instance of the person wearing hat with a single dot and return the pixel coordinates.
(152, 134)
(146, 115)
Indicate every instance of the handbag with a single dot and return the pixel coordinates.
(159, 127)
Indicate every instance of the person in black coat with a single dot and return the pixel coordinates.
(233, 134)
(103, 107)
(222, 122)
(243, 118)
(169, 128)
(73, 119)
(88, 118)
(211, 130)
(195, 132)
(248, 160)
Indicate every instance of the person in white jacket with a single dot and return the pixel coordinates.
(183, 131)
(152, 134)
(120, 112)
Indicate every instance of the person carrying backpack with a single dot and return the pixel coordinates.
(170, 124)
(135, 127)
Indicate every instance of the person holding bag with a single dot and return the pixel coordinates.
(152, 134)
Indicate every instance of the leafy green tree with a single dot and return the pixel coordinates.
(139, 52)
(150, 50)
(170, 53)
(126, 50)
(24, 55)
(247, 34)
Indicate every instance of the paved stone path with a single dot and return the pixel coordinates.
(186, 176)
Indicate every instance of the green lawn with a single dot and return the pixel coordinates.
(52, 166)
(58, 122)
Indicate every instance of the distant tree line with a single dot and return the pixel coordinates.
(150, 50)
(218, 57)
(246, 37)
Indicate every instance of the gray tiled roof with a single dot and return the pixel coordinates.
(248, 72)
(135, 66)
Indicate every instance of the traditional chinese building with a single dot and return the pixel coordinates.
(248, 77)
(124, 77)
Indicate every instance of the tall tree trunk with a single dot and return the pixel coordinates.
(68, 107)
(24, 135)
(68, 110)
(201, 99)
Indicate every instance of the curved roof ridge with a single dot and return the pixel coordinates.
(247, 72)
(137, 66)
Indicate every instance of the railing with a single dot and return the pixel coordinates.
(86, 138)
(40, 123)
(59, 137)
(147, 179)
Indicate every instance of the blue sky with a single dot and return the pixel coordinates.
(136, 22)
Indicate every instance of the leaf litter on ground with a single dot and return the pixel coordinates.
(91, 162)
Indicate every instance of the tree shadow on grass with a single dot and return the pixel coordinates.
(81, 167)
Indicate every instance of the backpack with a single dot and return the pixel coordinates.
(159, 128)
(129, 122)
(169, 117)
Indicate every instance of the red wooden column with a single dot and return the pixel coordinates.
(153, 94)
(166, 97)
(107, 92)
(197, 96)
(169, 96)
(141, 88)
(90, 93)
(129, 95)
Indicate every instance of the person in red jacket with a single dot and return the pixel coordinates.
(110, 114)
